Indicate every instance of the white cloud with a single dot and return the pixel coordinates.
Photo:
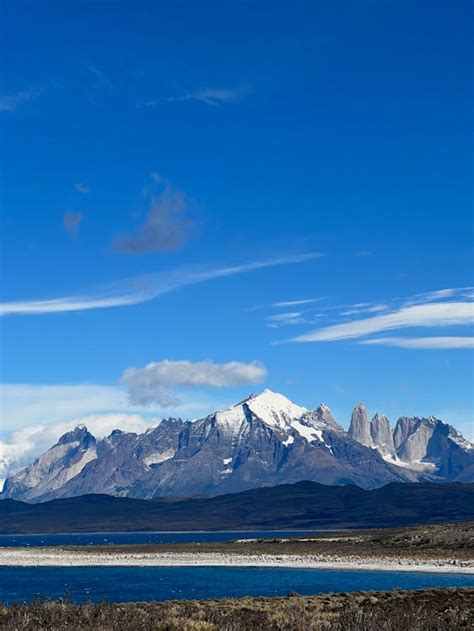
(424, 315)
(285, 303)
(432, 296)
(284, 319)
(212, 96)
(366, 308)
(27, 443)
(35, 416)
(136, 290)
(150, 384)
(295, 303)
(422, 342)
(36, 404)
(29, 404)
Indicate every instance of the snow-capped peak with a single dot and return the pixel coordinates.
(274, 409)
(278, 413)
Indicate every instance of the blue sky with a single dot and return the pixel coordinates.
(196, 164)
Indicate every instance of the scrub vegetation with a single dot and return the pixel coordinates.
(419, 610)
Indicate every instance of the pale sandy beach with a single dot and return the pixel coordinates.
(42, 557)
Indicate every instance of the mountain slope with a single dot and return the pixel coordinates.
(54, 468)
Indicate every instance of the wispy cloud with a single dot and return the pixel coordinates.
(212, 96)
(422, 342)
(72, 222)
(284, 319)
(167, 225)
(432, 296)
(140, 289)
(285, 304)
(440, 308)
(427, 315)
(82, 188)
(295, 303)
(365, 308)
(10, 102)
(151, 383)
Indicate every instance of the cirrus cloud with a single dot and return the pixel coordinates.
(420, 315)
(133, 291)
(422, 342)
(212, 96)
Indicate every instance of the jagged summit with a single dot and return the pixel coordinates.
(382, 436)
(324, 415)
(78, 434)
(323, 408)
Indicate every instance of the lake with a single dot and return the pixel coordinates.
(110, 538)
(122, 584)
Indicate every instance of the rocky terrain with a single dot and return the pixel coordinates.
(262, 441)
(421, 444)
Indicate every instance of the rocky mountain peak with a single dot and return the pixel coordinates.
(79, 434)
(381, 433)
(323, 414)
(359, 428)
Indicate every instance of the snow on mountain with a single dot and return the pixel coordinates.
(277, 412)
(274, 409)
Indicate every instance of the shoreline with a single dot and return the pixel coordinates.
(45, 557)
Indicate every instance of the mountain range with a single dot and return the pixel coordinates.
(265, 440)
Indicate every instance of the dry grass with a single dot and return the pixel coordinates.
(420, 610)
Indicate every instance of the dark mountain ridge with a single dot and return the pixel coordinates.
(303, 505)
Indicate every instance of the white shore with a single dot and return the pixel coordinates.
(42, 557)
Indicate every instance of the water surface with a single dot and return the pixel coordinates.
(128, 584)
(110, 538)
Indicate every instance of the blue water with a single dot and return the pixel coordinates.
(122, 584)
(109, 538)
